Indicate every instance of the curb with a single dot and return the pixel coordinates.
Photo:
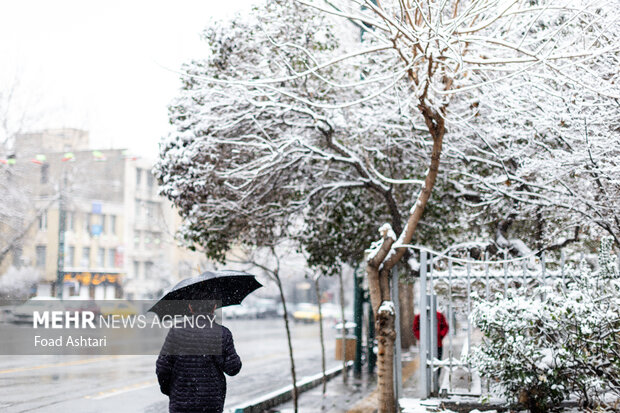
(285, 394)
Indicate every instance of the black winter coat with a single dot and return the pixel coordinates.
(191, 373)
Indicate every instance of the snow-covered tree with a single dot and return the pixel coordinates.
(557, 167)
(287, 112)
(17, 209)
(461, 58)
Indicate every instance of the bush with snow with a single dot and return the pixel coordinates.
(563, 339)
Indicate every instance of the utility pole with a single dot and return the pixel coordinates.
(62, 218)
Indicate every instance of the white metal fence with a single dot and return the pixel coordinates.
(447, 285)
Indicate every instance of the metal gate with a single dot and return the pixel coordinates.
(446, 285)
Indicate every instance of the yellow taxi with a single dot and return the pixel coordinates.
(306, 313)
(114, 307)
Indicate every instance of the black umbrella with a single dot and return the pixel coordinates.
(223, 287)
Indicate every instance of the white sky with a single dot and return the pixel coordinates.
(105, 66)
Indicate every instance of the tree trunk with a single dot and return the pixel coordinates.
(405, 296)
(385, 361)
(344, 331)
(288, 337)
(382, 261)
(318, 301)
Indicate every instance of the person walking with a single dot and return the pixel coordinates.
(192, 364)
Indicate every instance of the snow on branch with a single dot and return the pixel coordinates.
(386, 307)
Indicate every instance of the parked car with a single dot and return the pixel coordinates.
(117, 307)
(239, 311)
(306, 313)
(24, 313)
(81, 304)
(266, 308)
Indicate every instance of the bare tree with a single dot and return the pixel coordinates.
(18, 212)
(270, 265)
(317, 291)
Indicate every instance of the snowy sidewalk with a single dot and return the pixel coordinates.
(355, 397)
(339, 398)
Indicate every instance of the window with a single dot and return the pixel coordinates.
(43, 221)
(150, 209)
(138, 177)
(148, 268)
(136, 239)
(70, 226)
(136, 269)
(150, 180)
(101, 257)
(85, 257)
(112, 224)
(45, 173)
(17, 256)
(41, 250)
(102, 223)
(87, 223)
(70, 257)
(112, 258)
(138, 209)
(95, 227)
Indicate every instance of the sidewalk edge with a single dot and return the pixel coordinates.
(285, 393)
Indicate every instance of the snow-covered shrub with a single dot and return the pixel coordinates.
(558, 340)
(515, 352)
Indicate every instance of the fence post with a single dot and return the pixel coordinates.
(398, 378)
(452, 325)
(424, 376)
(432, 326)
(433, 344)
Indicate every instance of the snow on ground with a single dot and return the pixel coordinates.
(411, 405)
(415, 405)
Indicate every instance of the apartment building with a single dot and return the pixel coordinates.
(118, 236)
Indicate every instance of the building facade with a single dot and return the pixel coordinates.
(118, 235)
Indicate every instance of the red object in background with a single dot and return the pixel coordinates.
(442, 327)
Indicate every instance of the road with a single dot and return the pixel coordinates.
(127, 383)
